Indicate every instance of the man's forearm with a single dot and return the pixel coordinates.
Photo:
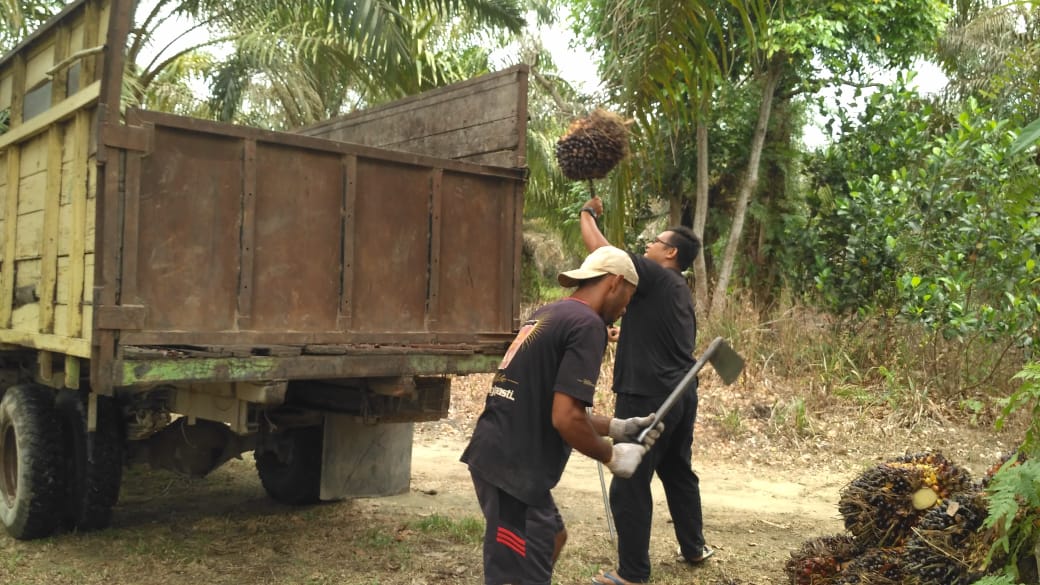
(590, 233)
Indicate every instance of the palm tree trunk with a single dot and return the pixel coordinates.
(747, 188)
(700, 213)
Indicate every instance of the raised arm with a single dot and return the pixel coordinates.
(590, 233)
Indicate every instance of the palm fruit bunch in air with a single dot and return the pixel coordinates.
(946, 547)
(882, 505)
(593, 145)
(877, 566)
(821, 560)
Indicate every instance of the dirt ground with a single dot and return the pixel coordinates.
(765, 491)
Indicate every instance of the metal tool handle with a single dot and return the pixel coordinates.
(681, 387)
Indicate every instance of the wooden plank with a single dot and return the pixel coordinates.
(445, 102)
(108, 206)
(34, 158)
(91, 38)
(40, 123)
(470, 114)
(520, 156)
(30, 235)
(247, 246)
(131, 372)
(17, 97)
(321, 144)
(33, 188)
(502, 158)
(49, 247)
(78, 235)
(76, 35)
(72, 372)
(60, 78)
(37, 65)
(10, 234)
(131, 223)
(46, 342)
(117, 317)
(5, 91)
(120, 19)
(119, 16)
(436, 226)
(518, 242)
(45, 363)
(495, 136)
(346, 315)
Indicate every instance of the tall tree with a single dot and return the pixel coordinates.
(749, 42)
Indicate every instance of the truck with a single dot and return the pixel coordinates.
(178, 292)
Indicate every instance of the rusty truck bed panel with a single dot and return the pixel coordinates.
(239, 236)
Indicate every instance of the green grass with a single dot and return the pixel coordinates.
(467, 530)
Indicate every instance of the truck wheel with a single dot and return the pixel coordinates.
(93, 461)
(32, 481)
(292, 474)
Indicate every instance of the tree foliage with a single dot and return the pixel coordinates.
(19, 18)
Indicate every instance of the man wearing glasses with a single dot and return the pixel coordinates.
(655, 350)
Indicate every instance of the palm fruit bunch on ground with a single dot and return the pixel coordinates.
(821, 560)
(1018, 454)
(883, 504)
(593, 145)
(876, 566)
(946, 547)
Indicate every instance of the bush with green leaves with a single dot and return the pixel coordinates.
(1014, 492)
(937, 227)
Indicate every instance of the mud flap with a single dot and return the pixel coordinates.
(362, 460)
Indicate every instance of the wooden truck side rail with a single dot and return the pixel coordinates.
(50, 86)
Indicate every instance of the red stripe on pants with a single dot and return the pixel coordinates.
(510, 539)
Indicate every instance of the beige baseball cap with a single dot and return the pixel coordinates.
(604, 260)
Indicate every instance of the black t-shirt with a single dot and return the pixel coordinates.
(658, 333)
(514, 444)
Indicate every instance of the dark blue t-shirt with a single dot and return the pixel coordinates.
(658, 333)
(514, 444)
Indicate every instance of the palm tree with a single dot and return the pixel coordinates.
(316, 59)
(18, 19)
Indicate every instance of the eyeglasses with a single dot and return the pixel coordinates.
(662, 242)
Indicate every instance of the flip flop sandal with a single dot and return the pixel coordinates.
(610, 579)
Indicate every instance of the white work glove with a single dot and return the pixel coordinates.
(626, 430)
(625, 459)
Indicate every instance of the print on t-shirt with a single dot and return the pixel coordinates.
(521, 337)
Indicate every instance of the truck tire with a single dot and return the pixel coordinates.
(93, 461)
(295, 477)
(32, 482)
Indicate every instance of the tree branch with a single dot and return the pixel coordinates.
(563, 105)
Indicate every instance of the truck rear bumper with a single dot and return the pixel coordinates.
(156, 365)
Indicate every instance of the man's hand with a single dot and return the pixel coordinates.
(625, 459)
(626, 430)
(595, 204)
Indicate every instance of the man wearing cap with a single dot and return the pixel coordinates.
(655, 351)
(536, 412)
